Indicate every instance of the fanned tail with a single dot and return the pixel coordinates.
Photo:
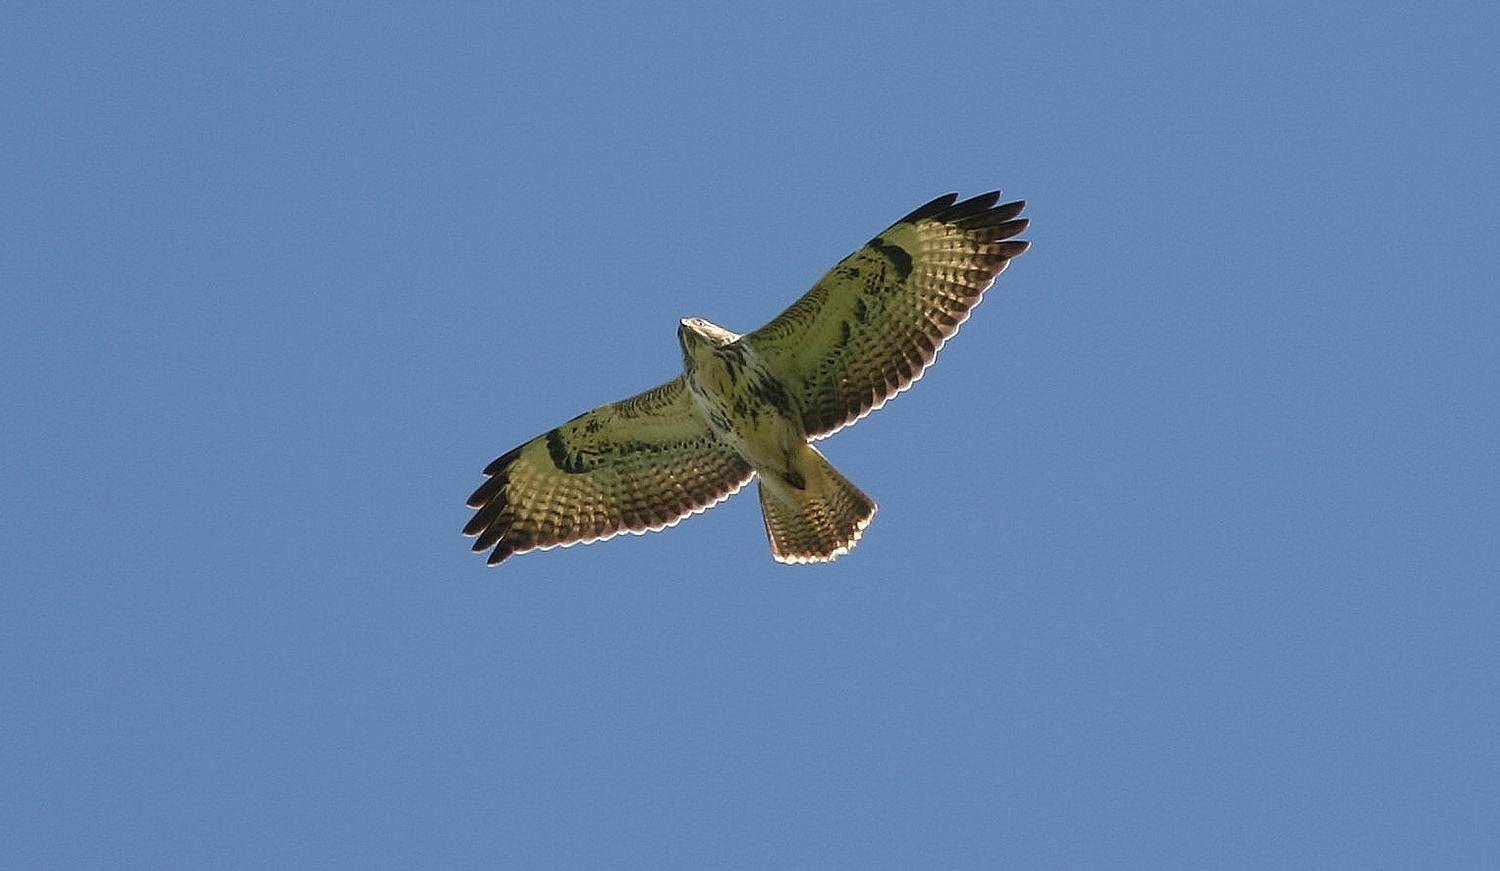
(818, 521)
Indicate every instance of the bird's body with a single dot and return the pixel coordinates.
(811, 511)
(748, 406)
(742, 401)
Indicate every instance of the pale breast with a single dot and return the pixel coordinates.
(747, 406)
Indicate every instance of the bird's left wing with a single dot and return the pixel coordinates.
(870, 327)
(633, 466)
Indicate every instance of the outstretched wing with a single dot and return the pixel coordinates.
(633, 466)
(870, 327)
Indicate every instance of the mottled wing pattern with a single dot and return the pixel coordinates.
(631, 466)
(869, 328)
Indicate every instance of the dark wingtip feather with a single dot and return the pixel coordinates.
(927, 210)
(479, 497)
(1003, 230)
(971, 214)
(476, 524)
(1006, 211)
(968, 208)
(501, 463)
(490, 521)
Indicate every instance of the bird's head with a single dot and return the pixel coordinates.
(704, 331)
(700, 338)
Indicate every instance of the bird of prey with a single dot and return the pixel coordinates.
(749, 406)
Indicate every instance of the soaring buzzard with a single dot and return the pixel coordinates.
(749, 405)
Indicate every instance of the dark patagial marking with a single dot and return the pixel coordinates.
(558, 451)
(795, 478)
(861, 311)
(896, 254)
(843, 333)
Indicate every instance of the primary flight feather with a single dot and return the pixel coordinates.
(748, 406)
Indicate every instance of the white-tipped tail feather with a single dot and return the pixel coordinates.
(817, 522)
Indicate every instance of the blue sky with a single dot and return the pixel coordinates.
(1186, 554)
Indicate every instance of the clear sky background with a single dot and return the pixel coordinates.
(1186, 555)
